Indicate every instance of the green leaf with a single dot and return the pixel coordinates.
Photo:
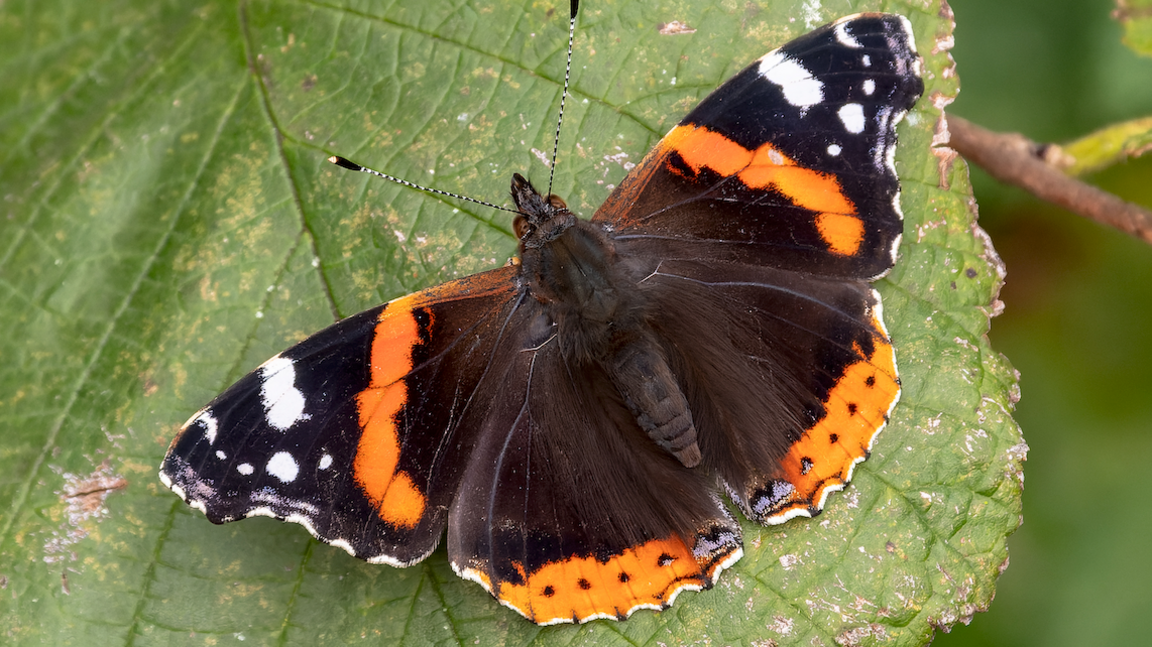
(1106, 147)
(170, 222)
(1136, 17)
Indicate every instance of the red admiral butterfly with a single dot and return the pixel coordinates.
(569, 418)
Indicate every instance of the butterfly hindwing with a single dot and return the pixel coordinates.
(570, 511)
(790, 378)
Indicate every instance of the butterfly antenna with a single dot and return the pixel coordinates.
(563, 95)
(353, 166)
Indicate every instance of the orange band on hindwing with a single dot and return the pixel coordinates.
(856, 410)
(647, 576)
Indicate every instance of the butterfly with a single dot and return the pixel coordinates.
(572, 418)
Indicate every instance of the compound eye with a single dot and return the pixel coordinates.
(521, 227)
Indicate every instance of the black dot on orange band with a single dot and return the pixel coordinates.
(871, 381)
(834, 438)
(584, 584)
(852, 408)
(549, 591)
(664, 560)
(624, 577)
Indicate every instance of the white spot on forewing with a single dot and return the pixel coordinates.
(844, 38)
(245, 468)
(834, 149)
(866, 60)
(283, 467)
(869, 86)
(325, 461)
(205, 418)
(796, 82)
(283, 402)
(852, 116)
(221, 455)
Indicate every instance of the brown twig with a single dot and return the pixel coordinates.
(1016, 160)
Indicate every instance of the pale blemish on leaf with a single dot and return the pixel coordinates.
(83, 497)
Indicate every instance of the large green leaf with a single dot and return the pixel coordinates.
(170, 222)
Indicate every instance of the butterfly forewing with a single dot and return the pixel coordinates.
(359, 432)
(788, 164)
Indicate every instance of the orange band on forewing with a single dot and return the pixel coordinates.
(379, 449)
(584, 587)
(403, 504)
(396, 333)
(844, 234)
(397, 499)
(768, 169)
(700, 147)
(807, 188)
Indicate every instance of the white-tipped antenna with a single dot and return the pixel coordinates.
(563, 95)
(353, 166)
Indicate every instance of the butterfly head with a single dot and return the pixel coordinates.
(541, 218)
